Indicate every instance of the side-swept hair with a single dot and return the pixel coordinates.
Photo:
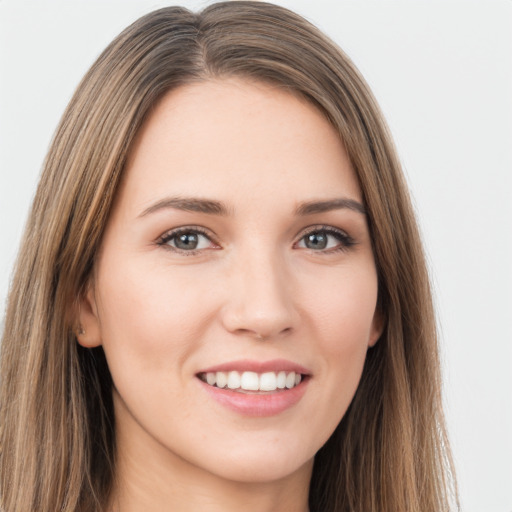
(390, 452)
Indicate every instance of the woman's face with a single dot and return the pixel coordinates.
(237, 260)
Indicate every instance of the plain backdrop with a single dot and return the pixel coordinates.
(442, 72)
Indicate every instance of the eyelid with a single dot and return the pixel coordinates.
(345, 240)
(168, 235)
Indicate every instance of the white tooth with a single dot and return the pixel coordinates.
(290, 380)
(222, 379)
(281, 380)
(211, 378)
(268, 381)
(233, 380)
(250, 381)
(298, 378)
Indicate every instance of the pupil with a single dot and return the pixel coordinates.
(316, 241)
(187, 241)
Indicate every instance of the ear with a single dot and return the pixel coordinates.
(88, 332)
(377, 328)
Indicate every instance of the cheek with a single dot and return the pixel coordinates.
(342, 320)
(151, 318)
(151, 323)
(344, 312)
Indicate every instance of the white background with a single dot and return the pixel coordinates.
(442, 72)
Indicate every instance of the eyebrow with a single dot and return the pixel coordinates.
(213, 207)
(188, 204)
(312, 207)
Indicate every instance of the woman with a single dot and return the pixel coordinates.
(221, 298)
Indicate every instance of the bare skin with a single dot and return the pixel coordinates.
(238, 238)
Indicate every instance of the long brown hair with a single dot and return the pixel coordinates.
(390, 451)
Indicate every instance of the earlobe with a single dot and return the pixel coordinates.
(377, 328)
(88, 331)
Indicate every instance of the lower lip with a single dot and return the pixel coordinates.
(255, 404)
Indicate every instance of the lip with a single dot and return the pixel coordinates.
(246, 365)
(257, 404)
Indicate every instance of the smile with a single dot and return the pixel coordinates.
(256, 388)
(249, 381)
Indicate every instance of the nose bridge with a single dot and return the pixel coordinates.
(260, 299)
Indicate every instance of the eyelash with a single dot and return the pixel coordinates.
(175, 233)
(345, 241)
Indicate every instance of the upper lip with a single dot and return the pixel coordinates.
(249, 365)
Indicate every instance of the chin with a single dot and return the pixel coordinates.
(264, 460)
(264, 471)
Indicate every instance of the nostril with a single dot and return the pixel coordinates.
(265, 337)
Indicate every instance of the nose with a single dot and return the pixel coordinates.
(260, 302)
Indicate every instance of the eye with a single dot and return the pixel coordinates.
(327, 239)
(187, 240)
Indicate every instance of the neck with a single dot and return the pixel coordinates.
(150, 477)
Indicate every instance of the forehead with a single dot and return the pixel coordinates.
(220, 138)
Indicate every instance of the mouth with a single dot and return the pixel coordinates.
(256, 388)
(250, 382)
